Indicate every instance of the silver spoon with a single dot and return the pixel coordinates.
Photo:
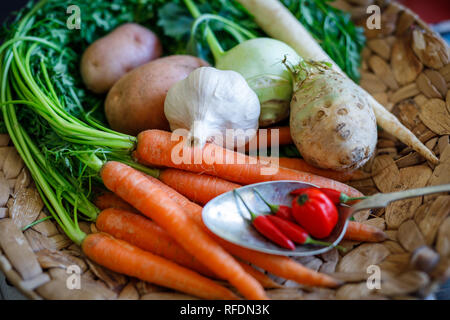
(228, 218)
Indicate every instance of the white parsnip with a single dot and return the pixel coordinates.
(289, 30)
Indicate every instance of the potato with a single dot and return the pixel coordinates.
(106, 60)
(136, 102)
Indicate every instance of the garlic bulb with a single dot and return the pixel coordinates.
(212, 104)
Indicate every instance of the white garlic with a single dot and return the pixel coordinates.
(212, 104)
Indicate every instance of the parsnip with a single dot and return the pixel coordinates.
(278, 22)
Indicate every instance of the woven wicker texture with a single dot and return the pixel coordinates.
(406, 68)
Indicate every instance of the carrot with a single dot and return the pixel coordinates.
(362, 232)
(156, 148)
(280, 266)
(301, 165)
(284, 138)
(110, 200)
(199, 188)
(147, 235)
(262, 278)
(289, 30)
(121, 257)
(144, 194)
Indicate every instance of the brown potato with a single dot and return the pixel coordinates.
(106, 60)
(136, 102)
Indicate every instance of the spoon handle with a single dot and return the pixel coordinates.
(381, 200)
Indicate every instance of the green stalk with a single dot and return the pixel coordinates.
(213, 43)
(239, 33)
(252, 214)
(273, 207)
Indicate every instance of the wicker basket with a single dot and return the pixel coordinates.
(406, 68)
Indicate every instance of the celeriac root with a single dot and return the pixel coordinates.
(288, 29)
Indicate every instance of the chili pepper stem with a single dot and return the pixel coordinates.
(301, 199)
(273, 207)
(252, 214)
(310, 240)
(345, 198)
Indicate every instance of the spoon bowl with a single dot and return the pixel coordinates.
(228, 218)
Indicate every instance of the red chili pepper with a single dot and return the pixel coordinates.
(267, 228)
(279, 210)
(315, 212)
(335, 196)
(295, 232)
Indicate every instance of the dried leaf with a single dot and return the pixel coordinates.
(46, 228)
(405, 92)
(426, 87)
(363, 256)
(405, 21)
(410, 236)
(383, 71)
(57, 289)
(59, 259)
(434, 217)
(4, 151)
(113, 280)
(431, 50)
(13, 164)
(18, 251)
(167, 296)
(443, 239)
(424, 259)
(355, 291)
(437, 80)
(410, 178)
(380, 47)
(129, 292)
(435, 116)
(395, 263)
(385, 173)
(393, 247)
(376, 222)
(285, 294)
(405, 283)
(26, 207)
(405, 65)
(5, 191)
(371, 83)
(440, 174)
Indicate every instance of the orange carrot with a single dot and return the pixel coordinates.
(362, 232)
(301, 165)
(144, 194)
(262, 278)
(199, 188)
(156, 148)
(147, 235)
(281, 266)
(284, 138)
(110, 200)
(278, 265)
(121, 257)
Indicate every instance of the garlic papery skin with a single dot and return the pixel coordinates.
(214, 106)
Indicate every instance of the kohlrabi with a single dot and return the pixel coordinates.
(258, 60)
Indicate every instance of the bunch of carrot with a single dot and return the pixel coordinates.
(158, 232)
